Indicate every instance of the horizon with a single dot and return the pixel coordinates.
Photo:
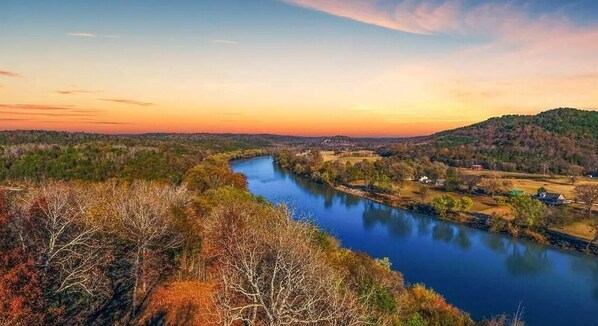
(307, 68)
(274, 134)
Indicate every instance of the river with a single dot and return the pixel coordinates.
(482, 273)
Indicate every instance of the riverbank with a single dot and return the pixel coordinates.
(552, 237)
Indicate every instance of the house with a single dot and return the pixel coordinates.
(477, 167)
(551, 198)
(423, 179)
(516, 192)
(439, 182)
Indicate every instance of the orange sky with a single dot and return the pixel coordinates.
(303, 67)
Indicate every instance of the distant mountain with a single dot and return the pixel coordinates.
(562, 141)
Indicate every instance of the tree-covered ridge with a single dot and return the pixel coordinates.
(40, 155)
(562, 121)
(562, 141)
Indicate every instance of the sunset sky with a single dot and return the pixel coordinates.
(303, 67)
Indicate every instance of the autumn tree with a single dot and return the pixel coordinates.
(587, 195)
(494, 185)
(527, 210)
(444, 204)
(272, 274)
(213, 173)
(144, 213)
(21, 299)
(423, 191)
(471, 182)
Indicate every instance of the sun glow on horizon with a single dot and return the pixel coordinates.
(294, 67)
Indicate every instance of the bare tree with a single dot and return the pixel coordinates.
(144, 214)
(587, 195)
(272, 274)
(53, 222)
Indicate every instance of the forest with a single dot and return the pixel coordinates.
(560, 141)
(190, 246)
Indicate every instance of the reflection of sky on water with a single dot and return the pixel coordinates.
(483, 273)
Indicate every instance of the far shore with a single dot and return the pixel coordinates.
(553, 237)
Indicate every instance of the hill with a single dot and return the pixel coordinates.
(561, 141)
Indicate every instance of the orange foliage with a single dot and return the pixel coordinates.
(20, 290)
(182, 303)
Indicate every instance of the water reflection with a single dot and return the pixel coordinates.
(527, 260)
(589, 269)
(483, 273)
(398, 224)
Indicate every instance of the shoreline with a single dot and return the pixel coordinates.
(553, 238)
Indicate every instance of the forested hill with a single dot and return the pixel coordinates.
(563, 141)
(572, 123)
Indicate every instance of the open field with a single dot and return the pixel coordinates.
(351, 157)
(530, 183)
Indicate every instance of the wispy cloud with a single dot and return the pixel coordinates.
(13, 119)
(42, 110)
(9, 73)
(128, 102)
(74, 92)
(91, 35)
(106, 122)
(81, 34)
(457, 17)
(227, 42)
(41, 107)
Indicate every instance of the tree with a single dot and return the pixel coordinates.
(527, 210)
(21, 299)
(55, 228)
(464, 204)
(471, 182)
(271, 273)
(144, 214)
(494, 185)
(423, 192)
(213, 173)
(587, 195)
(444, 204)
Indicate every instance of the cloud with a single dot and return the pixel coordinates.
(91, 35)
(452, 17)
(40, 107)
(47, 110)
(129, 102)
(74, 92)
(9, 73)
(106, 122)
(228, 42)
(81, 34)
(13, 119)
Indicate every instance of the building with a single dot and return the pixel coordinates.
(551, 198)
(516, 192)
(424, 179)
(440, 182)
(477, 167)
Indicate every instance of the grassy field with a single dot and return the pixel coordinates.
(351, 157)
(530, 183)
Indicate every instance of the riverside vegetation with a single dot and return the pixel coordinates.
(386, 178)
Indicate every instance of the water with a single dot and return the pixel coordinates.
(483, 273)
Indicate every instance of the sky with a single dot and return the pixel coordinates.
(373, 68)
